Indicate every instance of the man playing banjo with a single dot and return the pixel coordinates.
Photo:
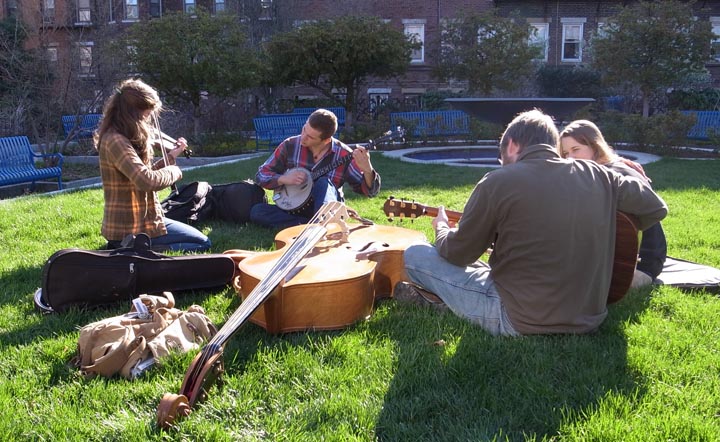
(309, 170)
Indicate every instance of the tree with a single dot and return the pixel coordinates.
(651, 46)
(486, 50)
(188, 56)
(339, 55)
(36, 90)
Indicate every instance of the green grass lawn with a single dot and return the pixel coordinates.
(407, 373)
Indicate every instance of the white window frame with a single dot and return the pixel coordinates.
(189, 6)
(48, 12)
(715, 43)
(84, 14)
(416, 27)
(377, 96)
(539, 38)
(52, 52)
(572, 33)
(132, 10)
(85, 58)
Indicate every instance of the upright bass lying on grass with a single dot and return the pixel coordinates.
(325, 275)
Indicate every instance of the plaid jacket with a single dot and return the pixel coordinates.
(290, 154)
(131, 203)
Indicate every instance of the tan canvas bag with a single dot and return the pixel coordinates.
(129, 344)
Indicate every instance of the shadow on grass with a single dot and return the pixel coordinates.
(31, 324)
(455, 382)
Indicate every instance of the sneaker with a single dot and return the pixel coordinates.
(640, 279)
(410, 294)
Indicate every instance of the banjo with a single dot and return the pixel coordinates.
(295, 198)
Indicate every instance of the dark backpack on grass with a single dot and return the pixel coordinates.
(200, 201)
(189, 203)
(232, 202)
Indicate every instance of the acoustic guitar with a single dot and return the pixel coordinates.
(295, 198)
(626, 241)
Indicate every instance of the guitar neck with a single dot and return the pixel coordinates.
(346, 159)
(330, 167)
(451, 214)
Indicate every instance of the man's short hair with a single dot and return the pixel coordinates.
(323, 121)
(530, 128)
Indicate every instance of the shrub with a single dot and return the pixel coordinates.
(483, 130)
(655, 134)
(564, 81)
(222, 144)
(703, 99)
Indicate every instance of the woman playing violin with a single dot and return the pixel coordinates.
(130, 179)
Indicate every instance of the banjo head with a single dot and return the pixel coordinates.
(290, 197)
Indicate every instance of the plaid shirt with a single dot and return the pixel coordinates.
(131, 204)
(291, 154)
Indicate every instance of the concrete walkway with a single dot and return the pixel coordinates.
(402, 155)
(48, 188)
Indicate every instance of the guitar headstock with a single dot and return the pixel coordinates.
(402, 209)
(396, 134)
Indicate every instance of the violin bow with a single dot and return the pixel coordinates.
(156, 123)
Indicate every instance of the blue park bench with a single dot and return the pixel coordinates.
(433, 123)
(338, 111)
(272, 129)
(705, 120)
(82, 125)
(17, 163)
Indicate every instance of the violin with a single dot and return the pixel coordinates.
(324, 275)
(166, 142)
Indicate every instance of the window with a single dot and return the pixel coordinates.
(265, 10)
(413, 98)
(219, 6)
(85, 56)
(189, 6)
(52, 53)
(539, 39)
(132, 11)
(416, 28)
(48, 12)
(572, 39)
(12, 8)
(377, 96)
(84, 11)
(155, 8)
(715, 23)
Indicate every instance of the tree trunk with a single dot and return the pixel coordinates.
(197, 113)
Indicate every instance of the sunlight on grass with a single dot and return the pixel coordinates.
(406, 373)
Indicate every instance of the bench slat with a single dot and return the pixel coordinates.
(17, 163)
(86, 124)
(706, 121)
(433, 123)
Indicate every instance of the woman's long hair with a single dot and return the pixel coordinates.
(587, 133)
(123, 112)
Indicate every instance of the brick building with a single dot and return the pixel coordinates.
(70, 30)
